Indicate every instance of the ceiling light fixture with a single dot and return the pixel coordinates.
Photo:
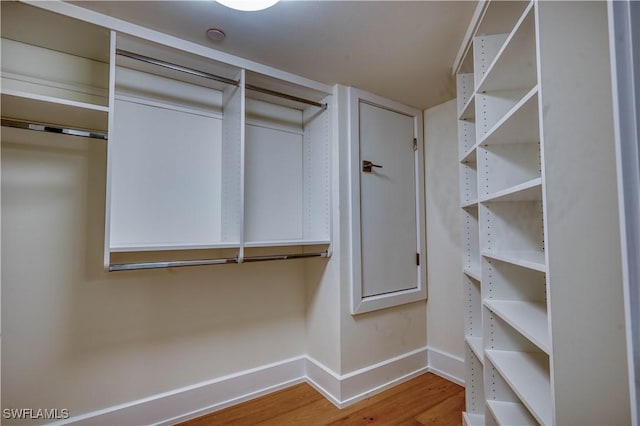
(248, 5)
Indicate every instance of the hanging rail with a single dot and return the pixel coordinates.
(175, 67)
(52, 128)
(221, 261)
(215, 77)
(285, 96)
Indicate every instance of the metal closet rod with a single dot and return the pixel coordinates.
(220, 261)
(215, 77)
(52, 128)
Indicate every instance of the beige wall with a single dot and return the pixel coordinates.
(79, 338)
(76, 337)
(444, 265)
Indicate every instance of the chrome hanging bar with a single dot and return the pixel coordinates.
(170, 264)
(52, 128)
(175, 67)
(284, 257)
(285, 96)
(221, 79)
(203, 262)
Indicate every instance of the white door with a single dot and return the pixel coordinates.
(388, 223)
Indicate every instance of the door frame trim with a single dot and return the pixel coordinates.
(359, 303)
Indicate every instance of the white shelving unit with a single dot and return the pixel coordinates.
(256, 165)
(204, 158)
(50, 78)
(524, 303)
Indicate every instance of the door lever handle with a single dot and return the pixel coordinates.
(367, 165)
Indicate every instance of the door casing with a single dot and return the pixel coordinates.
(359, 302)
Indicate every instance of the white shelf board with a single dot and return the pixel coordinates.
(470, 419)
(464, 89)
(473, 272)
(171, 247)
(527, 259)
(468, 112)
(49, 110)
(282, 243)
(475, 343)
(505, 72)
(519, 125)
(530, 190)
(472, 203)
(525, 372)
(528, 318)
(469, 156)
(511, 413)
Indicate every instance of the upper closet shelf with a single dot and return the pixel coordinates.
(465, 91)
(527, 259)
(514, 66)
(129, 248)
(519, 125)
(281, 243)
(49, 110)
(526, 191)
(468, 111)
(54, 70)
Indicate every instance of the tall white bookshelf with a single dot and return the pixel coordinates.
(534, 156)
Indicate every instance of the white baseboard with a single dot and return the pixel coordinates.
(342, 390)
(196, 400)
(324, 380)
(373, 379)
(446, 365)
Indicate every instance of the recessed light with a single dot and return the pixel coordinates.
(216, 34)
(248, 5)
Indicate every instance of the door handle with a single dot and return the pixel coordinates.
(367, 165)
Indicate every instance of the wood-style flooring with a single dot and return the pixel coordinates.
(424, 400)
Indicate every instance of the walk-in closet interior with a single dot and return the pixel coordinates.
(191, 222)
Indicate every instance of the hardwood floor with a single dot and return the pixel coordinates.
(424, 400)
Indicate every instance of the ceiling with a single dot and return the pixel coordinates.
(402, 50)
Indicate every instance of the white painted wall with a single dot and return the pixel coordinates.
(445, 328)
(76, 337)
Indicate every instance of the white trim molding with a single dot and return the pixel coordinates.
(624, 39)
(361, 303)
(346, 389)
(199, 399)
(342, 390)
(446, 365)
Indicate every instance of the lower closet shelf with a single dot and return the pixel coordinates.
(511, 413)
(528, 375)
(475, 343)
(473, 419)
